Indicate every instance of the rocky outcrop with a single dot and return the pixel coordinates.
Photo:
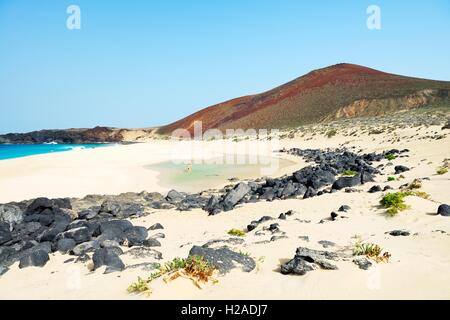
(69, 136)
(224, 259)
(306, 260)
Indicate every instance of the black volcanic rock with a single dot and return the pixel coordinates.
(224, 259)
(5, 234)
(444, 210)
(107, 257)
(306, 260)
(346, 182)
(400, 169)
(34, 259)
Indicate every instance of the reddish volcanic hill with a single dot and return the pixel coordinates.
(339, 91)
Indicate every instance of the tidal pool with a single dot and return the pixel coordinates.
(196, 177)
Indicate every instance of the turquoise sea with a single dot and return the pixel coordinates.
(10, 151)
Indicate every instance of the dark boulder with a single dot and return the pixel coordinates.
(235, 195)
(36, 258)
(62, 203)
(400, 169)
(107, 257)
(254, 224)
(374, 189)
(268, 194)
(310, 192)
(212, 205)
(366, 177)
(156, 226)
(398, 233)
(85, 247)
(346, 182)
(314, 177)
(174, 196)
(114, 229)
(444, 210)
(5, 233)
(307, 259)
(38, 205)
(151, 242)
(80, 235)
(65, 245)
(344, 208)
(224, 259)
(88, 214)
(135, 235)
(110, 208)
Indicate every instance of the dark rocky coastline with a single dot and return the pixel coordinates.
(68, 136)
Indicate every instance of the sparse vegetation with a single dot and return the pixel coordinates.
(195, 268)
(441, 171)
(371, 250)
(422, 195)
(367, 249)
(415, 184)
(395, 202)
(390, 157)
(391, 179)
(237, 233)
(331, 133)
(349, 173)
(140, 286)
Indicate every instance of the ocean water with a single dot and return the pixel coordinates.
(11, 151)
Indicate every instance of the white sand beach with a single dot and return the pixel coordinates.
(418, 268)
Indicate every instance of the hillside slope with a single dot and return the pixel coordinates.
(339, 91)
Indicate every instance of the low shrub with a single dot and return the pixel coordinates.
(237, 233)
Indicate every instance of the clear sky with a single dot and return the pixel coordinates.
(146, 63)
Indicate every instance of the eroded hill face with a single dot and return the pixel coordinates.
(339, 91)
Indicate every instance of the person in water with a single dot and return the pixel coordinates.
(188, 168)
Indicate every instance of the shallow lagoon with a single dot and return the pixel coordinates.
(196, 177)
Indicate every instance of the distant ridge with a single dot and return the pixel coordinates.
(339, 91)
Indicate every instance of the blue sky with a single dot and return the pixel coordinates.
(147, 63)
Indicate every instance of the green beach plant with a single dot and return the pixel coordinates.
(390, 157)
(195, 268)
(371, 250)
(395, 202)
(140, 286)
(237, 232)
